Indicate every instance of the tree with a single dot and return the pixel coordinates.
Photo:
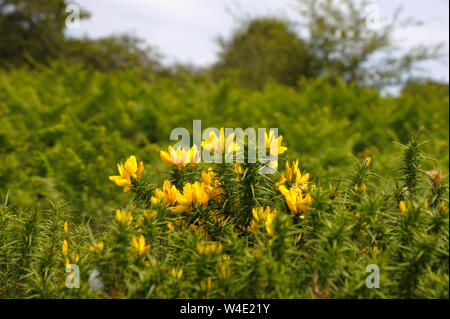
(31, 30)
(352, 47)
(113, 53)
(341, 40)
(265, 49)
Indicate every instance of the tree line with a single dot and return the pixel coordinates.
(338, 44)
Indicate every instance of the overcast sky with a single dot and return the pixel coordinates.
(185, 30)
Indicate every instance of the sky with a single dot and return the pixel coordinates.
(186, 31)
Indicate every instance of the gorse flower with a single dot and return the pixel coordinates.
(294, 176)
(264, 217)
(64, 248)
(123, 217)
(362, 188)
(209, 177)
(220, 144)
(274, 144)
(176, 274)
(297, 203)
(193, 194)
(128, 171)
(139, 247)
(65, 253)
(181, 157)
(212, 185)
(225, 271)
(207, 285)
(69, 260)
(209, 249)
(402, 207)
(98, 248)
(66, 228)
(168, 195)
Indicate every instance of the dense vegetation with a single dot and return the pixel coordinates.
(364, 180)
(64, 129)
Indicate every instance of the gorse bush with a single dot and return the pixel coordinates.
(220, 230)
(63, 128)
(225, 230)
(353, 209)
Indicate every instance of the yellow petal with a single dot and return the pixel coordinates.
(140, 170)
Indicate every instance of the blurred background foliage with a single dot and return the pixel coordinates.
(70, 109)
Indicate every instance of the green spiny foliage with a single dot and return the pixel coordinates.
(203, 250)
(63, 128)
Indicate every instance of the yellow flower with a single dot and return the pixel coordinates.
(207, 285)
(225, 271)
(402, 207)
(193, 194)
(177, 274)
(169, 194)
(218, 144)
(66, 228)
(367, 161)
(157, 197)
(139, 247)
(375, 250)
(68, 260)
(209, 249)
(238, 168)
(282, 181)
(98, 248)
(274, 144)
(170, 227)
(361, 188)
(269, 223)
(212, 185)
(127, 171)
(263, 216)
(181, 157)
(296, 202)
(209, 177)
(65, 248)
(140, 170)
(200, 248)
(123, 217)
(293, 175)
